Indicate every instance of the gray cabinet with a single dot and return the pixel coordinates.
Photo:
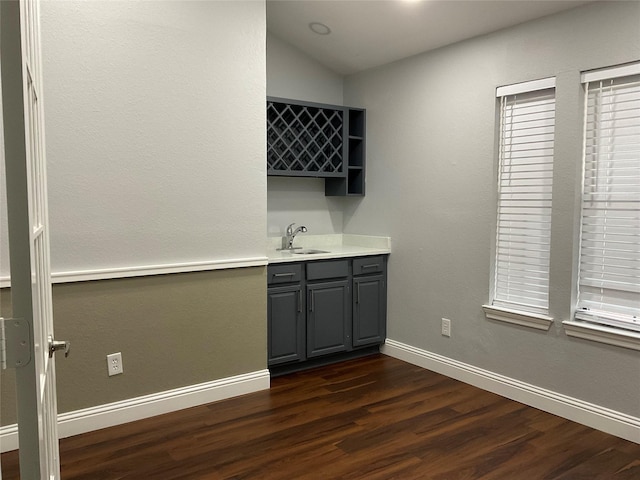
(325, 309)
(369, 310)
(286, 334)
(369, 300)
(306, 139)
(328, 308)
(286, 331)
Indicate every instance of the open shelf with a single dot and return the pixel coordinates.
(356, 122)
(356, 152)
(355, 181)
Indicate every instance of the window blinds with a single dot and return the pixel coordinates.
(609, 276)
(527, 122)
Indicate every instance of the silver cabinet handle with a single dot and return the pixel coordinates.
(299, 301)
(358, 292)
(373, 265)
(311, 300)
(288, 274)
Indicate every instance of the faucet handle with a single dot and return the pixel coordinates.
(290, 228)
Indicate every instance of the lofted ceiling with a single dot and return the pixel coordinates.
(369, 33)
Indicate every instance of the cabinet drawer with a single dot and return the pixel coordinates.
(332, 269)
(288, 273)
(364, 265)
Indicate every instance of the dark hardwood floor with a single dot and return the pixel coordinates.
(371, 418)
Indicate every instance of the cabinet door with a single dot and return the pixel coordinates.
(369, 310)
(286, 327)
(328, 318)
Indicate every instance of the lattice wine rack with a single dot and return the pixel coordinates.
(317, 140)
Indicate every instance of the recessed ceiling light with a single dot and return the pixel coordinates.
(319, 28)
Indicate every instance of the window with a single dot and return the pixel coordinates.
(609, 273)
(525, 175)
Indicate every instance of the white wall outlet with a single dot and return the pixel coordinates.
(446, 327)
(114, 364)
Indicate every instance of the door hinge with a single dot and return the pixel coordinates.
(15, 343)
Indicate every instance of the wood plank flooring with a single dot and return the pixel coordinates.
(370, 418)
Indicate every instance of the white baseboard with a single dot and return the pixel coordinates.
(117, 413)
(595, 416)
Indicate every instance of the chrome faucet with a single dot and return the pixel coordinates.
(287, 240)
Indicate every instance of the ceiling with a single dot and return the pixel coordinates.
(369, 33)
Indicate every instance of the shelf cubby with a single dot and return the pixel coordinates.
(353, 184)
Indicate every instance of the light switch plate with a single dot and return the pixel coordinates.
(446, 327)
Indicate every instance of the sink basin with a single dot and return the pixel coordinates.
(308, 251)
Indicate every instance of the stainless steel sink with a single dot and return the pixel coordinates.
(308, 251)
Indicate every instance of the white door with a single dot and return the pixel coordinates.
(29, 236)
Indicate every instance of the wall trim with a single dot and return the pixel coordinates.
(117, 413)
(526, 319)
(144, 270)
(594, 416)
(603, 334)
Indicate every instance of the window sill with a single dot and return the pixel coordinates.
(532, 320)
(602, 334)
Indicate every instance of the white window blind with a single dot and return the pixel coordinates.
(527, 125)
(609, 276)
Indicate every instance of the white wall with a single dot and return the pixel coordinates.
(155, 132)
(156, 152)
(292, 74)
(431, 187)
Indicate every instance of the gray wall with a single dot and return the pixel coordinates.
(292, 74)
(431, 186)
(7, 377)
(173, 331)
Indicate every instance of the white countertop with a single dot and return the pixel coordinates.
(336, 245)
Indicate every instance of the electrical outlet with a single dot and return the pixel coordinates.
(114, 364)
(446, 327)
